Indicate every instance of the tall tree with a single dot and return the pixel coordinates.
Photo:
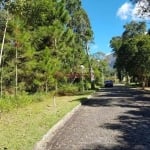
(115, 44)
(80, 25)
(126, 47)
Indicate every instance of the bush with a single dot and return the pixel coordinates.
(67, 89)
(74, 89)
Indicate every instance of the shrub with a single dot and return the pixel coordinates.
(67, 89)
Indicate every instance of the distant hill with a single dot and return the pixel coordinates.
(111, 59)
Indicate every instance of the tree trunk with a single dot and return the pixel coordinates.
(54, 100)
(143, 83)
(1, 81)
(3, 41)
(127, 79)
(146, 82)
(46, 87)
(90, 69)
(1, 53)
(55, 93)
(16, 87)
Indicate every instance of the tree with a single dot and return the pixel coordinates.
(144, 7)
(141, 60)
(82, 30)
(125, 48)
(133, 29)
(99, 64)
(115, 44)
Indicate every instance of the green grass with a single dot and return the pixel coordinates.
(10, 102)
(21, 128)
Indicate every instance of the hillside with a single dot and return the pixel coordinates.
(111, 59)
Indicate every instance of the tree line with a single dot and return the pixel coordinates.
(42, 42)
(132, 48)
(132, 51)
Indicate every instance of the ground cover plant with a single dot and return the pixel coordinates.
(22, 127)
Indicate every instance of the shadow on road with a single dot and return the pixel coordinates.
(134, 123)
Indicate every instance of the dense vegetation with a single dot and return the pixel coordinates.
(44, 44)
(132, 48)
(132, 51)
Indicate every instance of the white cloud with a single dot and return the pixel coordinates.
(125, 11)
(129, 11)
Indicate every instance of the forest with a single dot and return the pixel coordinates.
(44, 46)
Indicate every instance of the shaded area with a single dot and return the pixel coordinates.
(99, 147)
(134, 123)
(135, 128)
(118, 96)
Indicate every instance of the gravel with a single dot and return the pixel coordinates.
(115, 118)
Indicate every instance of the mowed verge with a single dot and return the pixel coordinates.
(21, 128)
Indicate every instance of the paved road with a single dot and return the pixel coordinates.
(115, 118)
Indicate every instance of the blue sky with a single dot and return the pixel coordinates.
(107, 18)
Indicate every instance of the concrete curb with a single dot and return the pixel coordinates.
(41, 145)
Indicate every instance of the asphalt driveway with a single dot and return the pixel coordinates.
(115, 118)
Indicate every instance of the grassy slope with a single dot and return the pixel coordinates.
(21, 128)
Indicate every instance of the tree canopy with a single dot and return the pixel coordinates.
(132, 50)
(143, 7)
(45, 41)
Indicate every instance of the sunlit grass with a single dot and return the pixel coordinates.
(21, 128)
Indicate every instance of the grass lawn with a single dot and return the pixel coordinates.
(21, 128)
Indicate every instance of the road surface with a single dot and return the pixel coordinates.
(115, 118)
